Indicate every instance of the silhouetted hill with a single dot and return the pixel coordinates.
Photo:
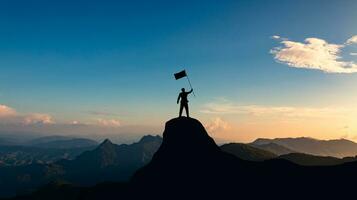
(247, 152)
(273, 148)
(57, 190)
(311, 160)
(336, 148)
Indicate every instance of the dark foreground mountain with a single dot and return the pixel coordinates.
(337, 148)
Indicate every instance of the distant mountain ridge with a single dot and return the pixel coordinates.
(107, 162)
(61, 142)
(26, 155)
(43, 150)
(248, 152)
(251, 153)
(337, 148)
(273, 148)
(110, 162)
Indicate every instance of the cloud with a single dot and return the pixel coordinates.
(353, 54)
(217, 124)
(6, 111)
(75, 122)
(108, 122)
(314, 53)
(38, 118)
(9, 115)
(352, 40)
(271, 111)
(278, 37)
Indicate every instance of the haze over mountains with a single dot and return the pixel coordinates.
(43, 150)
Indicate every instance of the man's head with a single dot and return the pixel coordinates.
(183, 89)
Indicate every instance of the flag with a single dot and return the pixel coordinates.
(180, 74)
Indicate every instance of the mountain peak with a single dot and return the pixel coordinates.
(186, 152)
(185, 138)
(149, 138)
(186, 135)
(106, 142)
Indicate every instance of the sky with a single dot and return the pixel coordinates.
(105, 68)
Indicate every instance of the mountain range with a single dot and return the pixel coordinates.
(336, 148)
(43, 150)
(106, 162)
(189, 164)
(185, 152)
(273, 148)
(248, 152)
(109, 162)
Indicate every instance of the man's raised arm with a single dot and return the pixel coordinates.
(190, 91)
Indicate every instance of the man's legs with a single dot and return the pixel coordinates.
(181, 107)
(186, 108)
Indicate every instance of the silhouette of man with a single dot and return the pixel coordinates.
(184, 102)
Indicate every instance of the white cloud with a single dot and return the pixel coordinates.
(278, 37)
(353, 54)
(352, 40)
(217, 124)
(315, 53)
(108, 122)
(9, 115)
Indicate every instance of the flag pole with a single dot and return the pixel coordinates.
(189, 82)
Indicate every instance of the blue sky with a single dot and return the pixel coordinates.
(81, 60)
